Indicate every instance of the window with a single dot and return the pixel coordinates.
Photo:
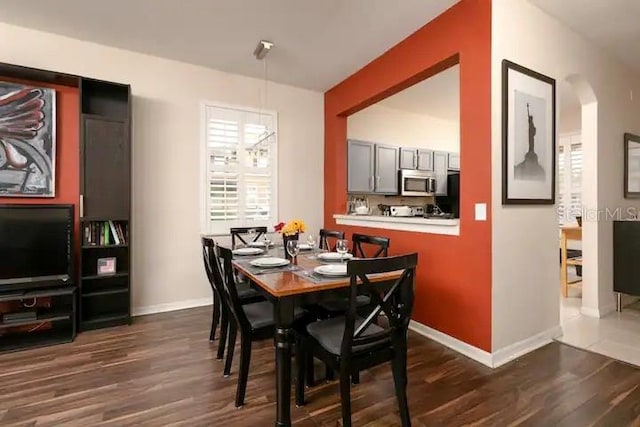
(569, 178)
(239, 176)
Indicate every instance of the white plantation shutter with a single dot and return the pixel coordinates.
(569, 178)
(240, 180)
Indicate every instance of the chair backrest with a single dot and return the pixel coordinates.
(325, 235)
(224, 269)
(208, 246)
(239, 233)
(376, 246)
(396, 302)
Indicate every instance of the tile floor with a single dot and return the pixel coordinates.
(616, 335)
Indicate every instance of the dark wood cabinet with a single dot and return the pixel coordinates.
(105, 203)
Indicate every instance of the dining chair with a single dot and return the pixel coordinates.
(254, 321)
(325, 235)
(351, 343)
(220, 310)
(239, 233)
(364, 246)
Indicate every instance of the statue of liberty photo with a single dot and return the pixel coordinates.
(529, 169)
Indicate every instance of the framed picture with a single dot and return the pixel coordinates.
(27, 141)
(631, 166)
(528, 136)
(106, 266)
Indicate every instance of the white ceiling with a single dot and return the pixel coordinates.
(318, 43)
(612, 24)
(437, 96)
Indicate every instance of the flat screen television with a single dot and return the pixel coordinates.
(36, 246)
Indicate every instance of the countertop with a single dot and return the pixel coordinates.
(417, 224)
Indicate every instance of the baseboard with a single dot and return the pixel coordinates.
(172, 306)
(520, 348)
(453, 343)
(492, 360)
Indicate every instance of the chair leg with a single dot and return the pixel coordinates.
(399, 366)
(301, 362)
(243, 376)
(215, 318)
(224, 325)
(355, 378)
(310, 375)
(328, 373)
(232, 344)
(345, 395)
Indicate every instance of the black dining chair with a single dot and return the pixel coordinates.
(254, 321)
(352, 343)
(221, 313)
(325, 235)
(240, 233)
(364, 246)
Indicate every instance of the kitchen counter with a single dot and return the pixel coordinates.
(416, 224)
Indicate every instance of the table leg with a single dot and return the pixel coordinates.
(283, 339)
(563, 264)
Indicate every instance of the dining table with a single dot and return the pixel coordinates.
(289, 287)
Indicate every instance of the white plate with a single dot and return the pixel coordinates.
(305, 247)
(269, 262)
(334, 256)
(258, 244)
(332, 269)
(247, 251)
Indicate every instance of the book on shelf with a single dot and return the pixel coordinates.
(105, 233)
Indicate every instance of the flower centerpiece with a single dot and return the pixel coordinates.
(290, 231)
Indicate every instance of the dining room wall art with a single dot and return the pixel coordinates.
(27, 140)
(528, 136)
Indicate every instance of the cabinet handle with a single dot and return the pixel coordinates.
(82, 206)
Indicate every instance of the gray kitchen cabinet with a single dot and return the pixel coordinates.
(425, 160)
(454, 161)
(386, 169)
(360, 166)
(440, 167)
(408, 158)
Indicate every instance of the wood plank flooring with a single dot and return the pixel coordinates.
(162, 371)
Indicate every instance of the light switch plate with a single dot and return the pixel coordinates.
(481, 211)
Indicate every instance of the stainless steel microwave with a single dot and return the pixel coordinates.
(416, 183)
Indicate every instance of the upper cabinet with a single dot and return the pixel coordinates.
(416, 159)
(371, 168)
(360, 164)
(440, 167)
(454, 161)
(386, 178)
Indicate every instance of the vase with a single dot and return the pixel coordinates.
(285, 239)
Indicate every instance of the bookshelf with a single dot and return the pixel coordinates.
(105, 205)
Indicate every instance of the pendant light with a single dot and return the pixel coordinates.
(260, 52)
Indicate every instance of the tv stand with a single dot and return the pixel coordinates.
(51, 323)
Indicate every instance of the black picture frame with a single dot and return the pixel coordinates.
(631, 191)
(508, 143)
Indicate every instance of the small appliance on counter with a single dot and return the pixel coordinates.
(406, 211)
(358, 205)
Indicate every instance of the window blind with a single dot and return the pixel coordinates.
(569, 178)
(240, 176)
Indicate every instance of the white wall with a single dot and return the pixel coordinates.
(167, 265)
(525, 297)
(404, 129)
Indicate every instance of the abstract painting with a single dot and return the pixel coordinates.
(27, 141)
(528, 136)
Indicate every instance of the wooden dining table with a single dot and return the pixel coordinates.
(287, 290)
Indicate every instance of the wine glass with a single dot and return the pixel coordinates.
(293, 248)
(251, 234)
(311, 241)
(342, 247)
(267, 244)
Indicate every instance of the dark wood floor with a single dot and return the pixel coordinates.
(162, 371)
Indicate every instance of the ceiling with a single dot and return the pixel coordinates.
(611, 24)
(317, 43)
(437, 96)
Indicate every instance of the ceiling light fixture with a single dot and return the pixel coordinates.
(261, 51)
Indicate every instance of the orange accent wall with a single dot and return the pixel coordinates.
(67, 189)
(453, 286)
